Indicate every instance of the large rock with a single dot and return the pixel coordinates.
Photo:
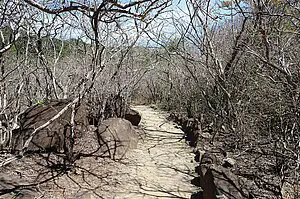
(116, 136)
(55, 134)
(215, 179)
(133, 116)
(218, 182)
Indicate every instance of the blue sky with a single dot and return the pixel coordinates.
(163, 24)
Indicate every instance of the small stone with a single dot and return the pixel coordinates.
(228, 162)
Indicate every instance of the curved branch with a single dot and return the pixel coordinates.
(78, 7)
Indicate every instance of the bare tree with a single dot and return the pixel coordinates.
(238, 75)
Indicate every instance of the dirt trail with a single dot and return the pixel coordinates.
(161, 166)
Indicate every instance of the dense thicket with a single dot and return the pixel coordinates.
(233, 65)
(237, 71)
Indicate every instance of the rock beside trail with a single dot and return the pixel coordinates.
(218, 182)
(55, 134)
(112, 138)
(133, 116)
(216, 175)
(116, 136)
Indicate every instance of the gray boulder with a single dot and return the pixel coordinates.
(218, 182)
(56, 133)
(116, 136)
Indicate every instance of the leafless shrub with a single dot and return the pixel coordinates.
(80, 52)
(234, 67)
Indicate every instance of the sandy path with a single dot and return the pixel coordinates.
(161, 166)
